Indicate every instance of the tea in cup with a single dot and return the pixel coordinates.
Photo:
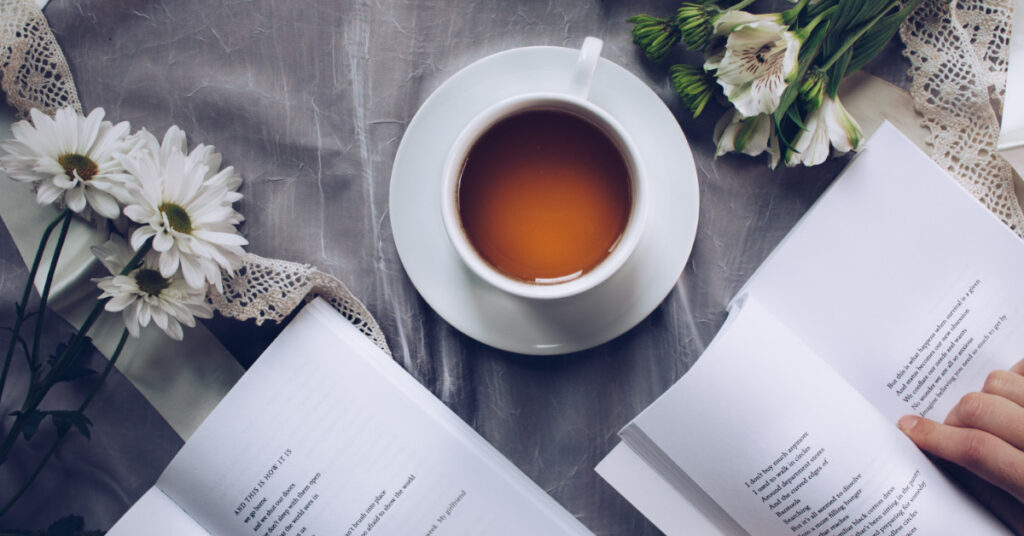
(544, 194)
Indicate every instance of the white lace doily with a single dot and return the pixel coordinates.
(33, 71)
(270, 289)
(34, 74)
(958, 55)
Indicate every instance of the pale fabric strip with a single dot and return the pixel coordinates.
(958, 57)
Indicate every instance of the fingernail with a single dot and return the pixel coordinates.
(908, 422)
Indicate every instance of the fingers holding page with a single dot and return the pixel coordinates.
(990, 413)
(980, 452)
(1007, 384)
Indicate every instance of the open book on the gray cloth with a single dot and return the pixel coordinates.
(326, 435)
(897, 293)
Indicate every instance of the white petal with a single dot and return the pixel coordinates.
(47, 193)
(75, 199)
(140, 236)
(162, 241)
(227, 239)
(169, 262)
(130, 323)
(174, 330)
(103, 203)
(843, 131)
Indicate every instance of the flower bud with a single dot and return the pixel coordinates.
(694, 85)
(812, 90)
(656, 36)
(696, 23)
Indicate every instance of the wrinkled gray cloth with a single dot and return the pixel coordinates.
(309, 101)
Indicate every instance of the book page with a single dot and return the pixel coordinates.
(326, 435)
(787, 447)
(902, 281)
(154, 514)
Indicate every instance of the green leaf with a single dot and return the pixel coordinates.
(836, 73)
(794, 116)
(64, 420)
(875, 39)
(32, 421)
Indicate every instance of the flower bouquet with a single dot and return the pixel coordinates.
(778, 72)
(172, 234)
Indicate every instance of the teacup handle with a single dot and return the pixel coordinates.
(583, 73)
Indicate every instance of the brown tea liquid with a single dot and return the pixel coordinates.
(544, 195)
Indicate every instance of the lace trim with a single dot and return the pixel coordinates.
(33, 71)
(35, 74)
(270, 289)
(958, 55)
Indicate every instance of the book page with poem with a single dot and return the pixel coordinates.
(778, 439)
(902, 281)
(325, 435)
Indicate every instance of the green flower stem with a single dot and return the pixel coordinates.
(64, 432)
(19, 317)
(45, 296)
(790, 15)
(38, 391)
(805, 32)
(850, 42)
(65, 357)
(740, 5)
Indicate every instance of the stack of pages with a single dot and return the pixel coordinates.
(896, 294)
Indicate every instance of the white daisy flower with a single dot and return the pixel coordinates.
(829, 125)
(206, 155)
(759, 57)
(748, 135)
(71, 159)
(185, 208)
(144, 294)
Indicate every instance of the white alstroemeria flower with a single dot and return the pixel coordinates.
(144, 294)
(829, 125)
(748, 135)
(186, 209)
(70, 158)
(759, 56)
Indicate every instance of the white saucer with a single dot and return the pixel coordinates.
(542, 327)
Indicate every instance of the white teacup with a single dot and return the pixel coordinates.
(573, 101)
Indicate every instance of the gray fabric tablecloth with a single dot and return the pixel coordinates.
(309, 101)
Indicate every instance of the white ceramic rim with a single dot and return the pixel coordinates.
(562, 102)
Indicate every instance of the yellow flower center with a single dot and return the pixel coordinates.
(151, 282)
(73, 162)
(177, 217)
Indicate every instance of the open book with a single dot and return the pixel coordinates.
(325, 435)
(897, 293)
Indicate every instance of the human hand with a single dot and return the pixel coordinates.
(984, 434)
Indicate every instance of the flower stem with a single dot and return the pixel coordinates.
(790, 15)
(45, 296)
(104, 374)
(805, 32)
(39, 390)
(63, 432)
(740, 5)
(19, 317)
